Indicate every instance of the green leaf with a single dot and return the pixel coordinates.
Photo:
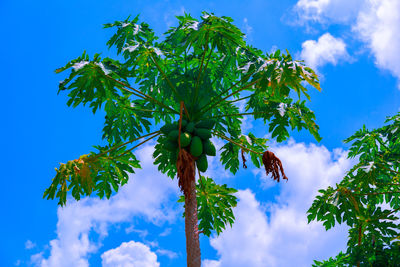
(214, 205)
(357, 200)
(96, 172)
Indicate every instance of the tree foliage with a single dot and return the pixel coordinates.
(215, 205)
(367, 199)
(203, 64)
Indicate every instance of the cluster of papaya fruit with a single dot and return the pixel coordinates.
(195, 138)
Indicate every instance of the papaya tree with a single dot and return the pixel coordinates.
(367, 200)
(182, 91)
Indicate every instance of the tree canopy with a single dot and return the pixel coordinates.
(200, 70)
(367, 199)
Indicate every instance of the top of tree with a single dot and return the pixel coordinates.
(204, 65)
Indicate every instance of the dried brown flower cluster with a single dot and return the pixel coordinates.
(272, 165)
(244, 160)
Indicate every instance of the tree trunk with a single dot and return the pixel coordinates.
(191, 227)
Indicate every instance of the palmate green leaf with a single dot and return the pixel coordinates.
(88, 83)
(163, 158)
(130, 32)
(98, 173)
(114, 171)
(195, 34)
(214, 205)
(230, 157)
(124, 122)
(278, 75)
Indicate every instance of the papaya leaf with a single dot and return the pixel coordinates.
(214, 204)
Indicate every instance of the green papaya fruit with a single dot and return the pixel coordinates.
(196, 146)
(202, 163)
(209, 148)
(202, 133)
(185, 139)
(167, 128)
(207, 124)
(190, 127)
(173, 135)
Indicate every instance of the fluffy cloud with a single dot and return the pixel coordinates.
(168, 253)
(147, 194)
(327, 49)
(375, 22)
(327, 11)
(277, 234)
(130, 254)
(378, 25)
(245, 244)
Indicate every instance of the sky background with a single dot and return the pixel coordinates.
(353, 45)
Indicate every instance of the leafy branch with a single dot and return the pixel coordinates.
(155, 134)
(227, 90)
(235, 143)
(237, 114)
(239, 99)
(166, 78)
(201, 68)
(143, 95)
(123, 144)
(146, 110)
(373, 227)
(233, 93)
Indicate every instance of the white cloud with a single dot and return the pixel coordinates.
(244, 244)
(131, 229)
(166, 232)
(130, 254)
(147, 194)
(168, 253)
(375, 22)
(378, 25)
(327, 11)
(36, 259)
(327, 49)
(170, 14)
(284, 237)
(248, 30)
(211, 263)
(29, 244)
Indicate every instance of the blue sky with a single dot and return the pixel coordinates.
(353, 45)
